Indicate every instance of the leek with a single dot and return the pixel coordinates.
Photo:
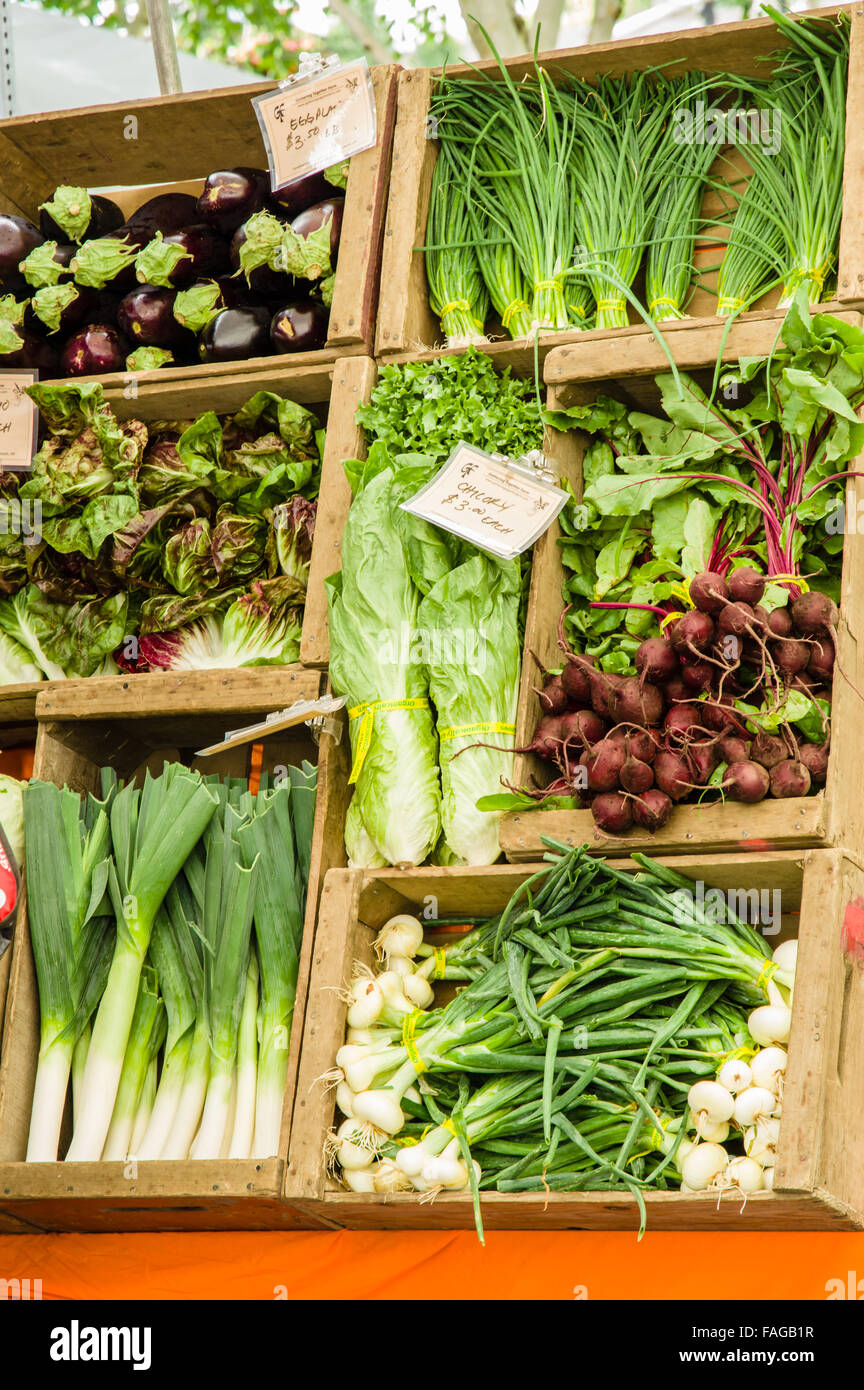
(145, 1039)
(153, 831)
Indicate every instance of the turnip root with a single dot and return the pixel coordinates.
(612, 813)
(709, 592)
(746, 781)
(789, 778)
(652, 809)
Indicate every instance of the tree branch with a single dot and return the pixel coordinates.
(548, 15)
(505, 28)
(366, 36)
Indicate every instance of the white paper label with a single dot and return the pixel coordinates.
(18, 416)
(317, 121)
(496, 505)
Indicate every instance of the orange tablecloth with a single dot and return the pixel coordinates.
(434, 1264)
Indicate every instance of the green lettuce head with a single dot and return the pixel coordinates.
(188, 558)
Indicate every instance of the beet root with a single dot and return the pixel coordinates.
(789, 778)
(767, 750)
(709, 592)
(635, 776)
(814, 756)
(814, 614)
(746, 781)
(552, 698)
(734, 749)
(672, 775)
(577, 686)
(637, 702)
(604, 763)
(746, 585)
(656, 661)
(652, 810)
(693, 632)
(612, 813)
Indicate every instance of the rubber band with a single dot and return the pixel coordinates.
(366, 712)
(470, 730)
(439, 955)
(603, 304)
(455, 304)
(768, 970)
(547, 285)
(729, 304)
(516, 306)
(409, 1023)
(664, 301)
(790, 579)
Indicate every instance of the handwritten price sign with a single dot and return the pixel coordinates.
(18, 416)
(496, 505)
(316, 122)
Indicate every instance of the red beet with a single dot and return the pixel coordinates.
(604, 763)
(746, 781)
(672, 775)
(703, 760)
(746, 585)
(768, 750)
(547, 737)
(779, 622)
(636, 776)
(638, 743)
(709, 592)
(814, 614)
(675, 690)
(814, 756)
(652, 810)
(637, 702)
(790, 657)
(577, 686)
(612, 813)
(694, 630)
(552, 698)
(582, 725)
(656, 661)
(604, 694)
(734, 619)
(790, 778)
(682, 721)
(697, 675)
(821, 663)
(733, 749)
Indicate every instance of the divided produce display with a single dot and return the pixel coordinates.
(175, 530)
(699, 599)
(569, 1081)
(152, 911)
(698, 174)
(194, 261)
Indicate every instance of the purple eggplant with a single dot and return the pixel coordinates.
(146, 317)
(166, 213)
(314, 217)
(105, 218)
(295, 197)
(34, 354)
(300, 327)
(231, 196)
(95, 349)
(18, 238)
(63, 308)
(179, 259)
(263, 281)
(236, 334)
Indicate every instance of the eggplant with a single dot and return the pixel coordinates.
(59, 316)
(105, 218)
(312, 218)
(231, 196)
(146, 317)
(236, 334)
(206, 255)
(18, 238)
(95, 349)
(34, 354)
(234, 290)
(300, 327)
(295, 197)
(166, 213)
(263, 282)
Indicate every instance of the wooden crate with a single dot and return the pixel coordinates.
(110, 727)
(834, 816)
(405, 320)
(136, 149)
(181, 398)
(819, 1178)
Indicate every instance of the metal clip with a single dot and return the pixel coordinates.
(310, 65)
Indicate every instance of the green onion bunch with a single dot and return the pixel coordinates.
(457, 291)
(588, 1009)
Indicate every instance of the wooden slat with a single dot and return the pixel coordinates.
(230, 693)
(842, 1129)
(851, 278)
(353, 381)
(181, 393)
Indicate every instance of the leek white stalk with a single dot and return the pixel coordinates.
(247, 1068)
(145, 1107)
(191, 1102)
(146, 1037)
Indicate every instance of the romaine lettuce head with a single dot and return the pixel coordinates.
(396, 811)
(469, 628)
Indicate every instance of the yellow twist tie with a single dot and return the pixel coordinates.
(578, 309)
(471, 730)
(670, 618)
(611, 304)
(547, 285)
(768, 969)
(455, 304)
(366, 713)
(409, 1023)
(450, 1127)
(790, 579)
(728, 304)
(737, 1054)
(682, 592)
(663, 303)
(516, 306)
(439, 955)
